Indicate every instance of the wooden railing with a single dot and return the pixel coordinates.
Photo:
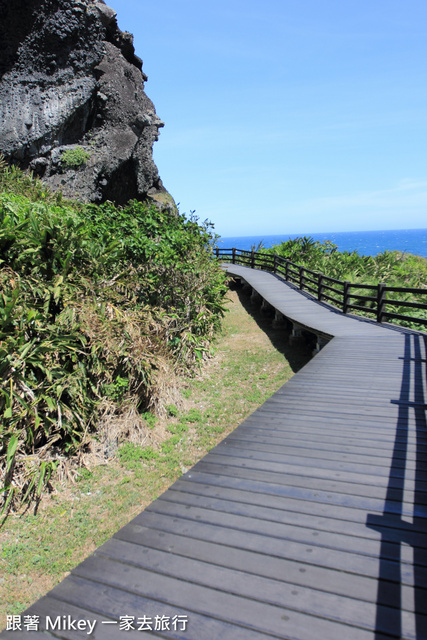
(372, 299)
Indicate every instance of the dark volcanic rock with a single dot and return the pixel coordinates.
(70, 78)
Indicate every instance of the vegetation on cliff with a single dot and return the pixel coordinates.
(100, 306)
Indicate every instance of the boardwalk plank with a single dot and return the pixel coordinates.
(241, 583)
(343, 443)
(205, 487)
(308, 455)
(286, 532)
(311, 522)
(282, 570)
(323, 470)
(338, 559)
(109, 602)
(276, 619)
(366, 497)
(344, 448)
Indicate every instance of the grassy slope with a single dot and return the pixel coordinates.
(252, 361)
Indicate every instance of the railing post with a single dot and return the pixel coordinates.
(252, 259)
(301, 278)
(287, 269)
(346, 299)
(320, 286)
(233, 258)
(381, 301)
(217, 252)
(276, 259)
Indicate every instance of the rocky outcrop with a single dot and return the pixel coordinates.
(70, 80)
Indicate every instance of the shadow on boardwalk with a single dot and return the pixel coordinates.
(392, 526)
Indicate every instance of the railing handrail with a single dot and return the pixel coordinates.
(296, 274)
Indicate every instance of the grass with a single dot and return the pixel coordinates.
(252, 360)
(75, 157)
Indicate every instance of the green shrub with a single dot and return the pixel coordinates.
(98, 305)
(75, 157)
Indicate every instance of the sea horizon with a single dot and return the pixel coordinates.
(369, 243)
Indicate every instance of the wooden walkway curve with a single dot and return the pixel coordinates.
(308, 522)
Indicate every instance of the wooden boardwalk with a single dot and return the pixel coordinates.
(308, 522)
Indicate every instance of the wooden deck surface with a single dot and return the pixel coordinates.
(308, 522)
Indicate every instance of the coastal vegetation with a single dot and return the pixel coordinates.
(101, 307)
(324, 257)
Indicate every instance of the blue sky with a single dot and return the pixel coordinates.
(288, 116)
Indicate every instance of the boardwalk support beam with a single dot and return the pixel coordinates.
(279, 318)
(266, 306)
(297, 330)
(321, 341)
(255, 297)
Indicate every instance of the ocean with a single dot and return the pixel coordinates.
(368, 243)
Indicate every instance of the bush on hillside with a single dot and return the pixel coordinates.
(99, 307)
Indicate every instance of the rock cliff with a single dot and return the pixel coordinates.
(70, 81)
